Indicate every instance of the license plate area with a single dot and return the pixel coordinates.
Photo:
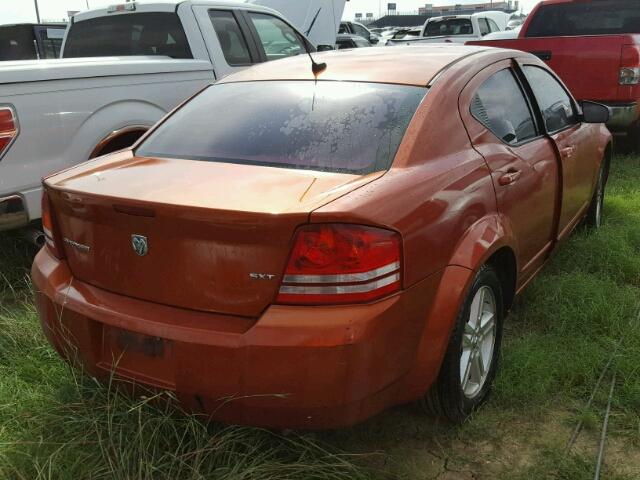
(138, 357)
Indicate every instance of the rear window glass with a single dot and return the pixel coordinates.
(452, 26)
(347, 127)
(586, 18)
(16, 43)
(50, 41)
(155, 33)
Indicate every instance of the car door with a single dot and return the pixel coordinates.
(573, 142)
(502, 126)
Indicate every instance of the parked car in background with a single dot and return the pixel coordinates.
(514, 23)
(402, 33)
(457, 28)
(339, 243)
(594, 46)
(143, 60)
(28, 41)
(356, 28)
(344, 41)
(507, 34)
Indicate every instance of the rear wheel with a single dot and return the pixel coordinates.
(594, 214)
(471, 360)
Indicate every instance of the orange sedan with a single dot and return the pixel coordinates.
(290, 251)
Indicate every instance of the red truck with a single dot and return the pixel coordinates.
(594, 46)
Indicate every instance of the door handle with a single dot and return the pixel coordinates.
(567, 152)
(510, 177)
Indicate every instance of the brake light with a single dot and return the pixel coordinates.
(8, 128)
(48, 226)
(630, 65)
(340, 263)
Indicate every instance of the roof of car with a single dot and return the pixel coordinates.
(165, 6)
(408, 65)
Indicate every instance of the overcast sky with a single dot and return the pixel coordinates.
(14, 11)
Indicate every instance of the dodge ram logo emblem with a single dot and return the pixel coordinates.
(140, 245)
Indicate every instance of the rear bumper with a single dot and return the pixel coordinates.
(623, 116)
(13, 212)
(19, 208)
(298, 367)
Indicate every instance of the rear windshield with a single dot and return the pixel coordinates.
(155, 33)
(609, 17)
(451, 26)
(50, 40)
(344, 127)
(16, 43)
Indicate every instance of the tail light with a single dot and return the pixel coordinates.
(48, 226)
(630, 65)
(8, 128)
(340, 263)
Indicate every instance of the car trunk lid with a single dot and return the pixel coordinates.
(205, 236)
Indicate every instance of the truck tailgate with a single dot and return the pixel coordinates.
(588, 65)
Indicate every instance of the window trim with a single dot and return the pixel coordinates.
(532, 111)
(252, 53)
(574, 105)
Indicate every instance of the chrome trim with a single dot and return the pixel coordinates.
(12, 220)
(346, 278)
(340, 289)
(81, 247)
(622, 116)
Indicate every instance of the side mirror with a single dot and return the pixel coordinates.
(324, 48)
(373, 39)
(593, 112)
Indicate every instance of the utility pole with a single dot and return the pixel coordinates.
(35, 2)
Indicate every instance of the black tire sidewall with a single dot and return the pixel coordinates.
(450, 372)
(591, 219)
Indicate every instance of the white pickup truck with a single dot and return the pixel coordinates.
(145, 60)
(457, 28)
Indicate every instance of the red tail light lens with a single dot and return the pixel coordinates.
(48, 226)
(340, 263)
(8, 128)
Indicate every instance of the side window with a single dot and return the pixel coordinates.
(484, 26)
(493, 26)
(232, 41)
(360, 31)
(554, 102)
(278, 39)
(500, 105)
(343, 28)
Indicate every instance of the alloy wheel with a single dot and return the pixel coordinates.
(478, 342)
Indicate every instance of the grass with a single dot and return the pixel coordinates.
(56, 423)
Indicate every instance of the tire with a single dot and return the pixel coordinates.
(593, 219)
(450, 397)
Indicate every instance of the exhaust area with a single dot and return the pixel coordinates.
(34, 236)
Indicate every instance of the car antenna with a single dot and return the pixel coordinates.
(316, 67)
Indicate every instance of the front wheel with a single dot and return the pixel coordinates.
(594, 214)
(471, 361)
